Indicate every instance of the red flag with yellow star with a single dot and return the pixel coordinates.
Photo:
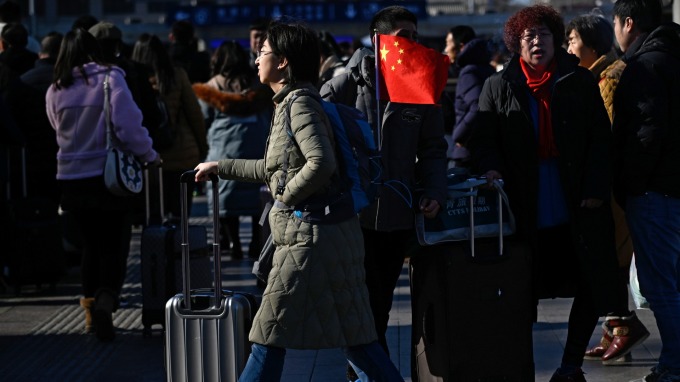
(410, 72)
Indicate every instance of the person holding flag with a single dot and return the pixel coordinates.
(397, 85)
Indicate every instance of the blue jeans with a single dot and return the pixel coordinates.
(370, 361)
(654, 223)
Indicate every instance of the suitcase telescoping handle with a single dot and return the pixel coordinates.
(498, 186)
(185, 178)
(471, 186)
(147, 191)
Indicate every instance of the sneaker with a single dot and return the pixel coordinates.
(573, 376)
(627, 333)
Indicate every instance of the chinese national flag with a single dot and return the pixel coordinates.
(410, 72)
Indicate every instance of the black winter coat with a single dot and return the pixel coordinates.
(505, 140)
(647, 117)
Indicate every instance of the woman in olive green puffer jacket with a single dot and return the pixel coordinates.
(316, 296)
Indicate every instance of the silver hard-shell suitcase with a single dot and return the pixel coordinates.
(207, 334)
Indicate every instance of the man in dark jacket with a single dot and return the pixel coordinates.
(13, 50)
(647, 176)
(413, 156)
(29, 110)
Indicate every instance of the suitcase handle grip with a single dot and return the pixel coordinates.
(185, 178)
(189, 176)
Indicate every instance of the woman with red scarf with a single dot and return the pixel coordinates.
(544, 130)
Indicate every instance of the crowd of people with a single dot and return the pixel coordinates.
(579, 121)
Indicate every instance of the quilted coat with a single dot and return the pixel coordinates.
(316, 296)
(607, 70)
(505, 141)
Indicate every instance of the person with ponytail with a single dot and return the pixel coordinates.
(544, 130)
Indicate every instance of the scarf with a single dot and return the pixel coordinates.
(540, 88)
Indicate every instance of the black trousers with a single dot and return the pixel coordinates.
(384, 259)
(558, 274)
(103, 222)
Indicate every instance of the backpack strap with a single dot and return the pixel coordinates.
(281, 186)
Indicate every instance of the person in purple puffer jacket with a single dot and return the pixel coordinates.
(75, 105)
(474, 68)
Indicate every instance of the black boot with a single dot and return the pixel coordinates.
(105, 303)
(233, 229)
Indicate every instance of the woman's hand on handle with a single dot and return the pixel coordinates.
(203, 171)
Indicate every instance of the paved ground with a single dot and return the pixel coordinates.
(41, 335)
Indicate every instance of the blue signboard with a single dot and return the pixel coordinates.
(310, 12)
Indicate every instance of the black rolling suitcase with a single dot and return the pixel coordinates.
(32, 230)
(161, 257)
(472, 312)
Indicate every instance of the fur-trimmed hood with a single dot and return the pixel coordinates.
(249, 101)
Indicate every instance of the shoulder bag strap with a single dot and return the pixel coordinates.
(107, 110)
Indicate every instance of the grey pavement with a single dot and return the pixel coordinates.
(42, 339)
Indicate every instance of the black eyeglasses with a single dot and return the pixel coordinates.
(261, 53)
(533, 35)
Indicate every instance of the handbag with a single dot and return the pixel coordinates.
(490, 214)
(122, 171)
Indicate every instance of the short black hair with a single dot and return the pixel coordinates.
(183, 31)
(260, 24)
(232, 61)
(462, 34)
(595, 31)
(385, 20)
(327, 44)
(300, 46)
(646, 14)
(84, 22)
(50, 45)
(15, 35)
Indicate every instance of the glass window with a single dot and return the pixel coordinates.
(73, 7)
(118, 6)
(39, 8)
(160, 6)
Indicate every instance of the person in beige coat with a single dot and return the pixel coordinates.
(316, 296)
(184, 114)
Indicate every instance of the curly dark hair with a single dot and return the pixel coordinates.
(531, 17)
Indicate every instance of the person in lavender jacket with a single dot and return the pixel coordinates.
(75, 105)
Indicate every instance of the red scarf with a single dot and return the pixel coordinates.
(540, 87)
